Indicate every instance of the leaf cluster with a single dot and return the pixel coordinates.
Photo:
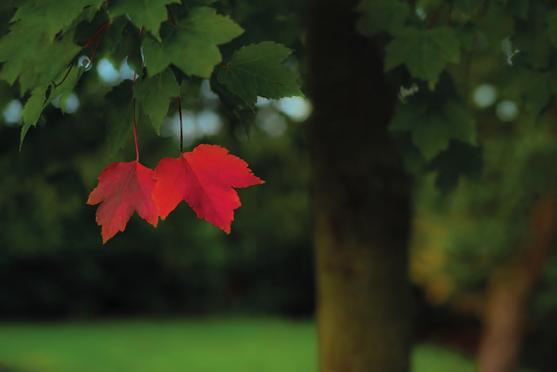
(170, 45)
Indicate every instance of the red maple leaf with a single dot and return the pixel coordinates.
(205, 178)
(124, 188)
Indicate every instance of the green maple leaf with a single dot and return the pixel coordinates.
(122, 41)
(154, 94)
(193, 44)
(432, 128)
(519, 8)
(142, 13)
(39, 99)
(118, 118)
(52, 16)
(464, 10)
(32, 111)
(530, 89)
(39, 62)
(258, 70)
(496, 23)
(425, 52)
(382, 15)
(551, 21)
(68, 83)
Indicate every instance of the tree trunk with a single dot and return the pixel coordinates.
(361, 202)
(510, 289)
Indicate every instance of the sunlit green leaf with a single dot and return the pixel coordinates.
(193, 45)
(143, 13)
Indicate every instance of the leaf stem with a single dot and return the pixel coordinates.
(171, 15)
(96, 35)
(134, 125)
(68, 70)
(179, 104)
(134, 119)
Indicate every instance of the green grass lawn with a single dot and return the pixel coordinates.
(239, 345)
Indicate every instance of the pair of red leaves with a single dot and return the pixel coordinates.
(205, 178)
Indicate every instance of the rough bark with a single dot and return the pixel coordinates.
(510, 289)
(361, 200)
